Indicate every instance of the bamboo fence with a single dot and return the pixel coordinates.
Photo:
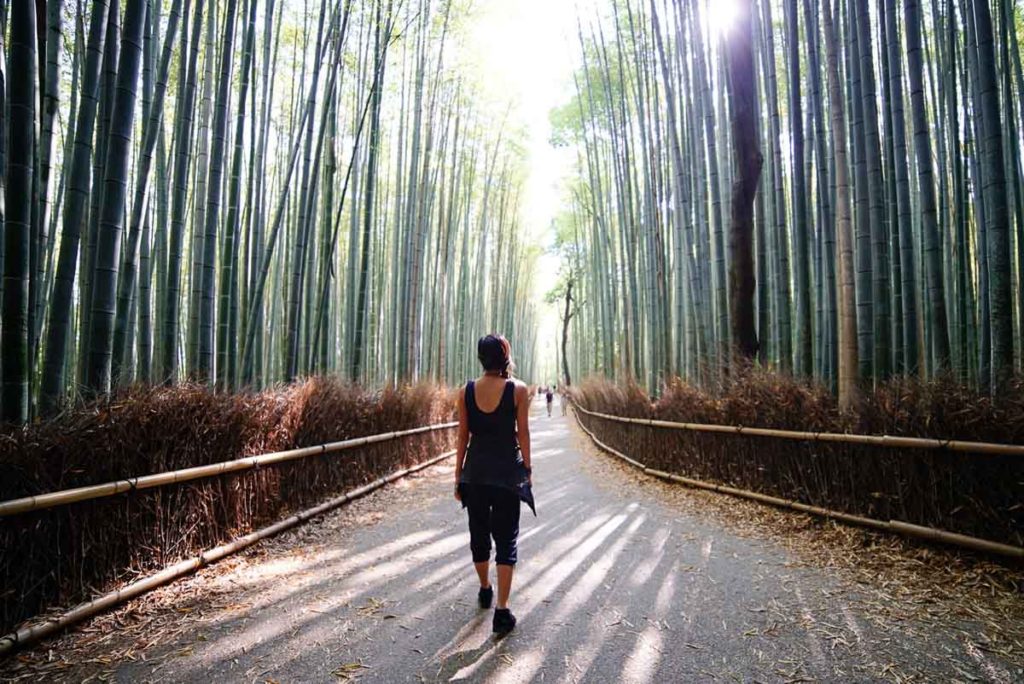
(44, 628)
(68, 496)
(886, 441)
(893, 526)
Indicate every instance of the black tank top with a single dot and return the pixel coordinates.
(493, 456)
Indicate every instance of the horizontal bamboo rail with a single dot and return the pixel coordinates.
(68, 496)
(886, 441)
(42, 629)
(893, 526)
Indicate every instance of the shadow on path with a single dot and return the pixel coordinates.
(612, 586)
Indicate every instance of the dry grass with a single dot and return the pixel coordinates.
(65, 554)
(973, 494)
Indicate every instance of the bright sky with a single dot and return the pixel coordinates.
(526, 51)
(523, 48)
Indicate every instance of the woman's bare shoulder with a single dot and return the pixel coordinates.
(521, 386)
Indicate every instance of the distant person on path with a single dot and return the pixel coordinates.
(492, 458)
(550, 395)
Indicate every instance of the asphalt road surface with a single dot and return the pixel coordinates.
(614, 584)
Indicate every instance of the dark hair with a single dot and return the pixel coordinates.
(495, 354)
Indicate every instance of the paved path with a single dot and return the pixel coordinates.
(614, 585)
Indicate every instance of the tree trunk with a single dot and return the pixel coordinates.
(748, 159)
(229, 277)
(151, 128)
(848, 363)
(107, 95)
(108, 248)
(931, 241)
(911, 362)
(566, 318)
(182, 161)
(803, 351)
(218, 154)
(876, 196)
(59, 319)
(380, 48)
(997, 229)
(14, 338)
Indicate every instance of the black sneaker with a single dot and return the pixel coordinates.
(504, 621)
(485, 597)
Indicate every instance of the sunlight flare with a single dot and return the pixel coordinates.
(721, 15)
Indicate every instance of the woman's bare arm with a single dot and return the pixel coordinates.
(462, 440)
(523, 421)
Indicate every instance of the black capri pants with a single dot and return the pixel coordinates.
(493, 512)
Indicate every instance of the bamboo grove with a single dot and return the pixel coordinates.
(889, 215)
(242, 192)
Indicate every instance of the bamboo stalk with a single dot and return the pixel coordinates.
(40, 630)
(886, 441)
(893, 526)
(67, 496)
(932, 534)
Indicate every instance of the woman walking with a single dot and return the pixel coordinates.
(491, 463)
